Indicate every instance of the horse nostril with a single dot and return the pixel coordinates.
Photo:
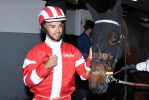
(100, 89)
(102, 86)
(94, 92)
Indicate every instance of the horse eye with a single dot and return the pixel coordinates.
(113, 38)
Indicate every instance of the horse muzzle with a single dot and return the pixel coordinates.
(100, 89)
(98, 86)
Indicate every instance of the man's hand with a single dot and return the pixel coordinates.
(90, 53)
(51, 61)
(131, 67)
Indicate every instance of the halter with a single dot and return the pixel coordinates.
(101, 60)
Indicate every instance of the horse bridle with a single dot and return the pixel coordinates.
(101, 59)
(108, 64)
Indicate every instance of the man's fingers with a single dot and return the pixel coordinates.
(90, 53)
(51, 61)
(54, 57)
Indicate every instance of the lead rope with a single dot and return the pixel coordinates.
(127, 83)
(126, 76)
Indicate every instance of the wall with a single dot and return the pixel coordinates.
(76, 20)
(18, 25)
(14, 47)
(20, 15)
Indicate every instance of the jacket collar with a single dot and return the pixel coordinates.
(53, 44)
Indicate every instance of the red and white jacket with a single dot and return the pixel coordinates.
(57, 83)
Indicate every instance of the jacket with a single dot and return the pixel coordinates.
(56, 83)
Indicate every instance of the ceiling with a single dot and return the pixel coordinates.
(140, 4)
(138, 10)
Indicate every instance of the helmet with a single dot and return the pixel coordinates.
(50, 14)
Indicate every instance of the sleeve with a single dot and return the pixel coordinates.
(34, 70)
(82, 67)
(86, 75)
(143, 66)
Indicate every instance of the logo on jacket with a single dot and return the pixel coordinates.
(68, 55)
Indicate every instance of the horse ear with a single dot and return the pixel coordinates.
(92, 11)
(117, 10)
(117, 5)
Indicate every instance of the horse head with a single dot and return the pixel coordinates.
(107, 46)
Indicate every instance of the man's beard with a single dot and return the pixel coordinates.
(62, 35)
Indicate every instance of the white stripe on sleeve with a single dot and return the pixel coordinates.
(82, 78)
(27, 62)
(24, 79)
(86, 68)
(80, 61)
(35, 78)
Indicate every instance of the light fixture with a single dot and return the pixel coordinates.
(144, 17)
(72, 1)
(135, 0)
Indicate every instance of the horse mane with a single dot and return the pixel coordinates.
(137, 37)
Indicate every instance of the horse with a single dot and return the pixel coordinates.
(115, 38)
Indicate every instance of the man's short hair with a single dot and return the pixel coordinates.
(89, 24)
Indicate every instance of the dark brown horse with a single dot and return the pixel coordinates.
(115, 38)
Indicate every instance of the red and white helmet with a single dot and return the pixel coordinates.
(50, 14)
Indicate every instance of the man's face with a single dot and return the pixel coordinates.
(54, 30)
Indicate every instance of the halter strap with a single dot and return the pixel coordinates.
(107, 21)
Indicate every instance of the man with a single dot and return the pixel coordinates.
(84, 44)
(49, 67)
(142, 66)
(84, 40)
